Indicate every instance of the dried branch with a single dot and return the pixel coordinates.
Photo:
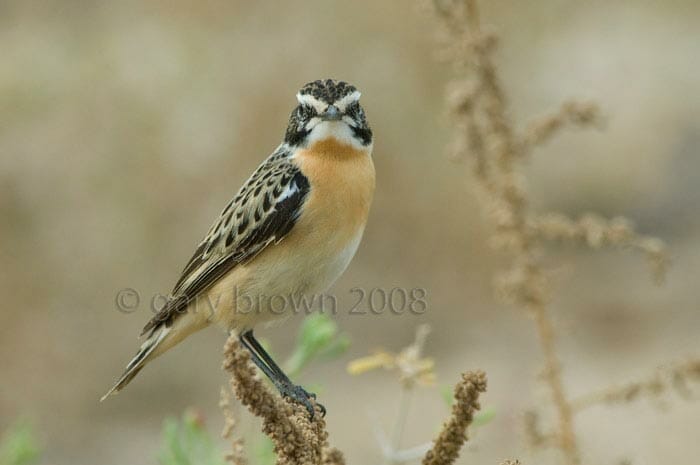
(485, 133)
(454, 432)
(674, 377)
(533, 435)
(296, 439)
(596, 232)
(480, 108)
(569, 114)
(236, 456)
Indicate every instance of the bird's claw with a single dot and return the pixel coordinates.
(302, 396)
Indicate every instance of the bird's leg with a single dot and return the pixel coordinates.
(281, 381)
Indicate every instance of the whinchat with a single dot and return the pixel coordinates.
(290, 231)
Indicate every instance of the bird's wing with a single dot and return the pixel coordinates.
(263, 211)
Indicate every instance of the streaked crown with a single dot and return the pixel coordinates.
(328, 91)
(328, 108)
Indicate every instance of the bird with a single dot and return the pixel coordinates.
(291, 230)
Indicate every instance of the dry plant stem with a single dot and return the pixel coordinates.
(413, 369)
(570, 113)
(674, 377)
(406, 361)
(491, 139)
(595, 232)
(405, 395)
(552, 373)
(296, 439)
(454, 432)
(237, 456)
(300, 441)
(535, 438)
(485, 132)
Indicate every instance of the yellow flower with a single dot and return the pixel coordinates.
(411, 367)
(379, 359)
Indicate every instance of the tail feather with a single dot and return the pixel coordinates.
(145, 353)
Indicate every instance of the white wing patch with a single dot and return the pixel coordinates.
(288, 191)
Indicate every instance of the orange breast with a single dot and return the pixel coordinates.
(342, 185)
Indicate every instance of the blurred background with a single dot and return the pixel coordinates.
(126, 126)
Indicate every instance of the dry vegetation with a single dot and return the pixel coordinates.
(489, 139)
(495, 148)
(125, 126)
(300, 440)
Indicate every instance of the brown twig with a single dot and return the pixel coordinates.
(453, 435)
(481, 108)
(296, 439)
(533, 435)
(674, 377)
(300, 441)
(571, 113)
(595, 232)
(236, 456)
(485, 132)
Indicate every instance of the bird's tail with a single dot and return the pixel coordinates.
(145, 354)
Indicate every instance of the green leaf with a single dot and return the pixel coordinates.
(318, 337)
(187, 442)
(447, 395)
(336, 348)
(18, 445)
(484, 417)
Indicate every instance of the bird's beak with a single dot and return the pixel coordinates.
(332, 114)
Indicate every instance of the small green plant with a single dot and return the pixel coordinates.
(187, 442)
(18, 445)
(318, 338)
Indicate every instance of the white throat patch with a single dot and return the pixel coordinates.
(338, 130)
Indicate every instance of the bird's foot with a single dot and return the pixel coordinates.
(302, 396)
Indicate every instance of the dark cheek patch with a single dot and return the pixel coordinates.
(296, 137)
(363, 133)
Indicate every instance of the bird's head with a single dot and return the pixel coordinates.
(328, 109)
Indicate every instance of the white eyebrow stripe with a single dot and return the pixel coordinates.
(320, 106)
(308, 99)
(345, 101)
